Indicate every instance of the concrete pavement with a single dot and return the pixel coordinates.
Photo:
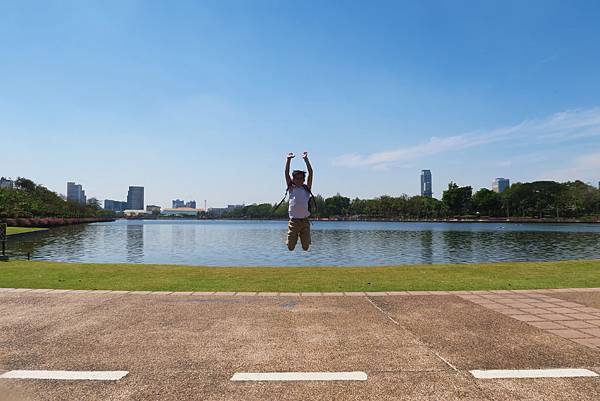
(188, 346)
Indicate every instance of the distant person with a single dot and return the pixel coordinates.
(300, 194)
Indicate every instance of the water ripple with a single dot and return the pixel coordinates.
(262, 243)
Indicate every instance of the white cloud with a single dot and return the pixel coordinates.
(585, 167)
(559, 127)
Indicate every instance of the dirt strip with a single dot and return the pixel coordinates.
(303, 294)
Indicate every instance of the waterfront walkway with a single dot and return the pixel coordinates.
(283, 346)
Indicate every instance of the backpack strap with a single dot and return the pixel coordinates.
(307, 189)
(312, 197)
(287, 191)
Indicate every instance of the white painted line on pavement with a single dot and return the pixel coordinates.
(299, 376)
(531, 373)
(64, 375)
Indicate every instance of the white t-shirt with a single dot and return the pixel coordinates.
(299, 198)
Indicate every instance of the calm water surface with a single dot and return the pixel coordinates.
(262, 243)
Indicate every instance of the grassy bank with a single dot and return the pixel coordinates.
(22, 230)
(530, 275)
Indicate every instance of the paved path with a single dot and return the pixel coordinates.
(400, 345)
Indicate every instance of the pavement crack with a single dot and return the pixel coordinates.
(446, 362)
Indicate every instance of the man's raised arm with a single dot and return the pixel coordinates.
(310, 171)
(288, 179)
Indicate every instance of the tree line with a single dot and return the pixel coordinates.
(538, 199)
(29, 199)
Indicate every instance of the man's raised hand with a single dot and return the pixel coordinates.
(290, 155)
(305, 155)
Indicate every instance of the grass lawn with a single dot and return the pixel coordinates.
(21, 230)
(528, 275)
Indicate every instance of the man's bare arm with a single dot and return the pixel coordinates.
(288, 179)
(310, 171)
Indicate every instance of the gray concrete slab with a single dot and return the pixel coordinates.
(580, 389)
(187, 347)
(154, 336)
(471, 336)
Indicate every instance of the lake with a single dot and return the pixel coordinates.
(262, 243)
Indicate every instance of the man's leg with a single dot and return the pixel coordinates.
(292, 236)
(305, 235)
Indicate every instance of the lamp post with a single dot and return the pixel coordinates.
(537, 203)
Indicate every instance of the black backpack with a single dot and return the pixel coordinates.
(312, 198)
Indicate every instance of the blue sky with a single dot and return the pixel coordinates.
(202, 100)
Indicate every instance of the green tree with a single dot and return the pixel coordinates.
(337, 205)
(282, 211)
(579, 199)
(537, 199)
(487, 203)
(457, 199)
(321, 208)
(31, 200)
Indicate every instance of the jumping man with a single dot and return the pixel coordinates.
(299, 197)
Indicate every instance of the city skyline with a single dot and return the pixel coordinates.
(374, 93)
(498, 185)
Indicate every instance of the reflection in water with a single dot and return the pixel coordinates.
(261, 243)
(458, 246)
(426, 247)
(135, 243)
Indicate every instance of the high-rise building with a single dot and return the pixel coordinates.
(500, 184)
(115, 206)
(426, 183)
(75, 193)
(5, 183)
(178, 203)
(135, 198)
